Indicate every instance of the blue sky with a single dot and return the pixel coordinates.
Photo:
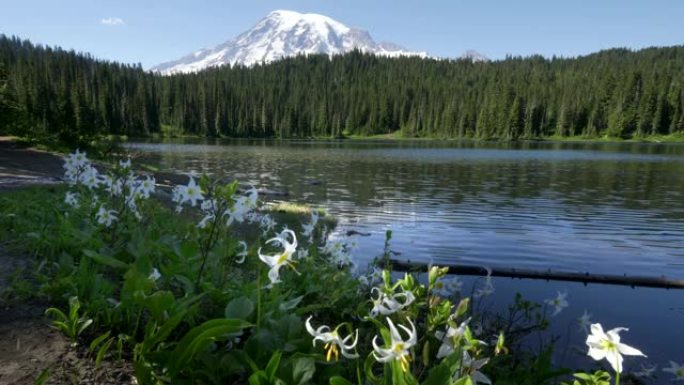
(150, 32)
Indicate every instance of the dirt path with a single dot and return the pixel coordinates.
(21, 166)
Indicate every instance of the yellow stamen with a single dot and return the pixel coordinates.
(332, 351)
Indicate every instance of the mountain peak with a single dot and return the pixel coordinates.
(284, 33)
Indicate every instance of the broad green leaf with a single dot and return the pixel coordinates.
(273, 364)
(291, 304)
(98, 340)
(200, 337)
(439, 375)
(105, 260)
(239, 308)
(337, 380)
(103, 350)
(303, 369)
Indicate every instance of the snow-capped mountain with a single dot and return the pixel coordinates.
(282, 34)
(474, 56)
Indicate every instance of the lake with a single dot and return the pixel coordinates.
(615, 208)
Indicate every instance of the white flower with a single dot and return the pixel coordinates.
(105, 217)
(193, 193)
(447, 338)
(677, 370)
(447, 287)
(77, 159)
(399, 348)
(302, 253)
(607, 345)
(252, 196)
(147, 186)
(209, 206)
(238, 211)
(190, 193)
(372, 277)
(243, 254)
(71, 199)
(471, 368)
(647, 371)
(559, 303)
(276, 261)
(388, 304)
(488, 288)
(155, 274)
(125, 164)
(334, 344)
(203, 223)
(90, 177)
(309, 228)
(267, 223)
(584, 321)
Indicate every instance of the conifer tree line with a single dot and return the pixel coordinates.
(617, 93)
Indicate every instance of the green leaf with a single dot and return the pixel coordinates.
(337, 380)
(258, 378)
(160, 302)
(465, 380)
(105, 260)
(189, 250)
(368, 369)
(239, 308)
(103, 350)
(98, 340)
(439, 375)
(273, 364)
(199, 338)
(303, 369)
(43, 377)
(291, 304)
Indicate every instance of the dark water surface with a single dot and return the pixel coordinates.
(615, 208)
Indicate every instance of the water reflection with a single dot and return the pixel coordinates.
(600, 207)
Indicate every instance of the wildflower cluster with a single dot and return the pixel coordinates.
(115, 193)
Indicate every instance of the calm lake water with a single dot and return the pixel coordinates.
(614, 208)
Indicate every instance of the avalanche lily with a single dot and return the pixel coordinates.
(677, 370)
(276, 261)
(154, 275)
(243, 254)
(607, 345)
(472, 367)
(399, 348)
(559, 303)
(488, 288)
(105, 217)
(334, 344)
(448, 337)
(71, 199)
(584, 321)
(388, 304)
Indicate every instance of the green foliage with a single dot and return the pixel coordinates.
(598, 378)
(174, 300)
(71, 324)
(53, 94)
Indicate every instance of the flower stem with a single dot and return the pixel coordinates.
(258, 288)
(358, 370)
(617, 378)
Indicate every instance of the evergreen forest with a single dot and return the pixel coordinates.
(618, 93)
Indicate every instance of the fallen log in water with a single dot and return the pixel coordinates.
(586, 278)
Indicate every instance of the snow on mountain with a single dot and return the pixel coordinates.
(282, 34)
(474, 56)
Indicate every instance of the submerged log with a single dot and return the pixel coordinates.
(586, 278)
